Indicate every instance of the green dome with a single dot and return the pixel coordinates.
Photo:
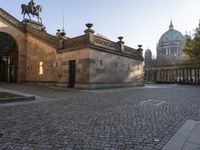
(171, 36)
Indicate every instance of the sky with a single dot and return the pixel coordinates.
(138, 21)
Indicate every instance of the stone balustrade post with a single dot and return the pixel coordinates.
(90, 32)
(121, 43)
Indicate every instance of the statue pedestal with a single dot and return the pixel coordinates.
(33, 24)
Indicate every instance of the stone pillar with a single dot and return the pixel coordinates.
(195, 76)
(121, 43)
(160, 75)
(187, 76)
(164, 75)
(198, 75)
(157, 75)
(90, 32)
(183, 80)
(176, 76)
(180, 75)
(191, 79)
(147, 75)
(169, 75)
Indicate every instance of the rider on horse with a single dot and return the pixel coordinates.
(31, 4)
(33, 9)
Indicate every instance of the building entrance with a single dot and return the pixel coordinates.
(8, 58)
(72, 73)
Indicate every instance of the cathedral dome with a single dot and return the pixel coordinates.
(148, 53)
(169, 48)
(171, 36)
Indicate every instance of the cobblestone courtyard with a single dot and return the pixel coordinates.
(141, 118)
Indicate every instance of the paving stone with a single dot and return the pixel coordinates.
(98, 119)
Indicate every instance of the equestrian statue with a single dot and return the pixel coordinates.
(33, 9)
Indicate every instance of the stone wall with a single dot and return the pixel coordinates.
(55, 65)
(109, 70)
(93, 68)
(37, 52)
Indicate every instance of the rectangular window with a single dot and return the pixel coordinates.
(41, 68)
(101, 62)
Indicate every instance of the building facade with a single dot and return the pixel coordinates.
(171, 64)
(29, 54)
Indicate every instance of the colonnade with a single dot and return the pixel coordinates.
(184, 75)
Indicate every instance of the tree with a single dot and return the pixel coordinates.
(192, 46)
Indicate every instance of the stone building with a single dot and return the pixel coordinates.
(29, 54)
(171, 65)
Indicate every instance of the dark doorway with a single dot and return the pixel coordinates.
(72, 73)
(8, 58)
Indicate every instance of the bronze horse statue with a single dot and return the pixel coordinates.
(27, 10)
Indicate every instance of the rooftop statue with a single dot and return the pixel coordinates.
(33, 9)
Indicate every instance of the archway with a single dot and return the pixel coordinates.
(8, 58)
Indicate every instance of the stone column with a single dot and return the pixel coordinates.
(195, 76)
(157, 75)
(198, 75)
(169, 76)
(187, 78)
(160, 75)
(176, 76)
(180, 75)
(148, 76)
(183, 76)
(191, 79)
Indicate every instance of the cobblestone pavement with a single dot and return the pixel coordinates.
(141, 118)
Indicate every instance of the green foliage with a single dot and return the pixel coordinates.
(192, 46)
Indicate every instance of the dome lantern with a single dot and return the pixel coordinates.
(171, 26)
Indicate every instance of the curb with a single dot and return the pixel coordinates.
(17, 99)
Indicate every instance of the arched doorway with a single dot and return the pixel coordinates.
(8, 58)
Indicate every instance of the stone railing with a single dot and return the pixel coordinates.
(98, 41)
(10, 18)
(76, 42)
(132, 51)
(113, 46)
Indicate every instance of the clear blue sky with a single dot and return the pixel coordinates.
(139, 21)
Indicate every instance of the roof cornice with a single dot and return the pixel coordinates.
(12, 20)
